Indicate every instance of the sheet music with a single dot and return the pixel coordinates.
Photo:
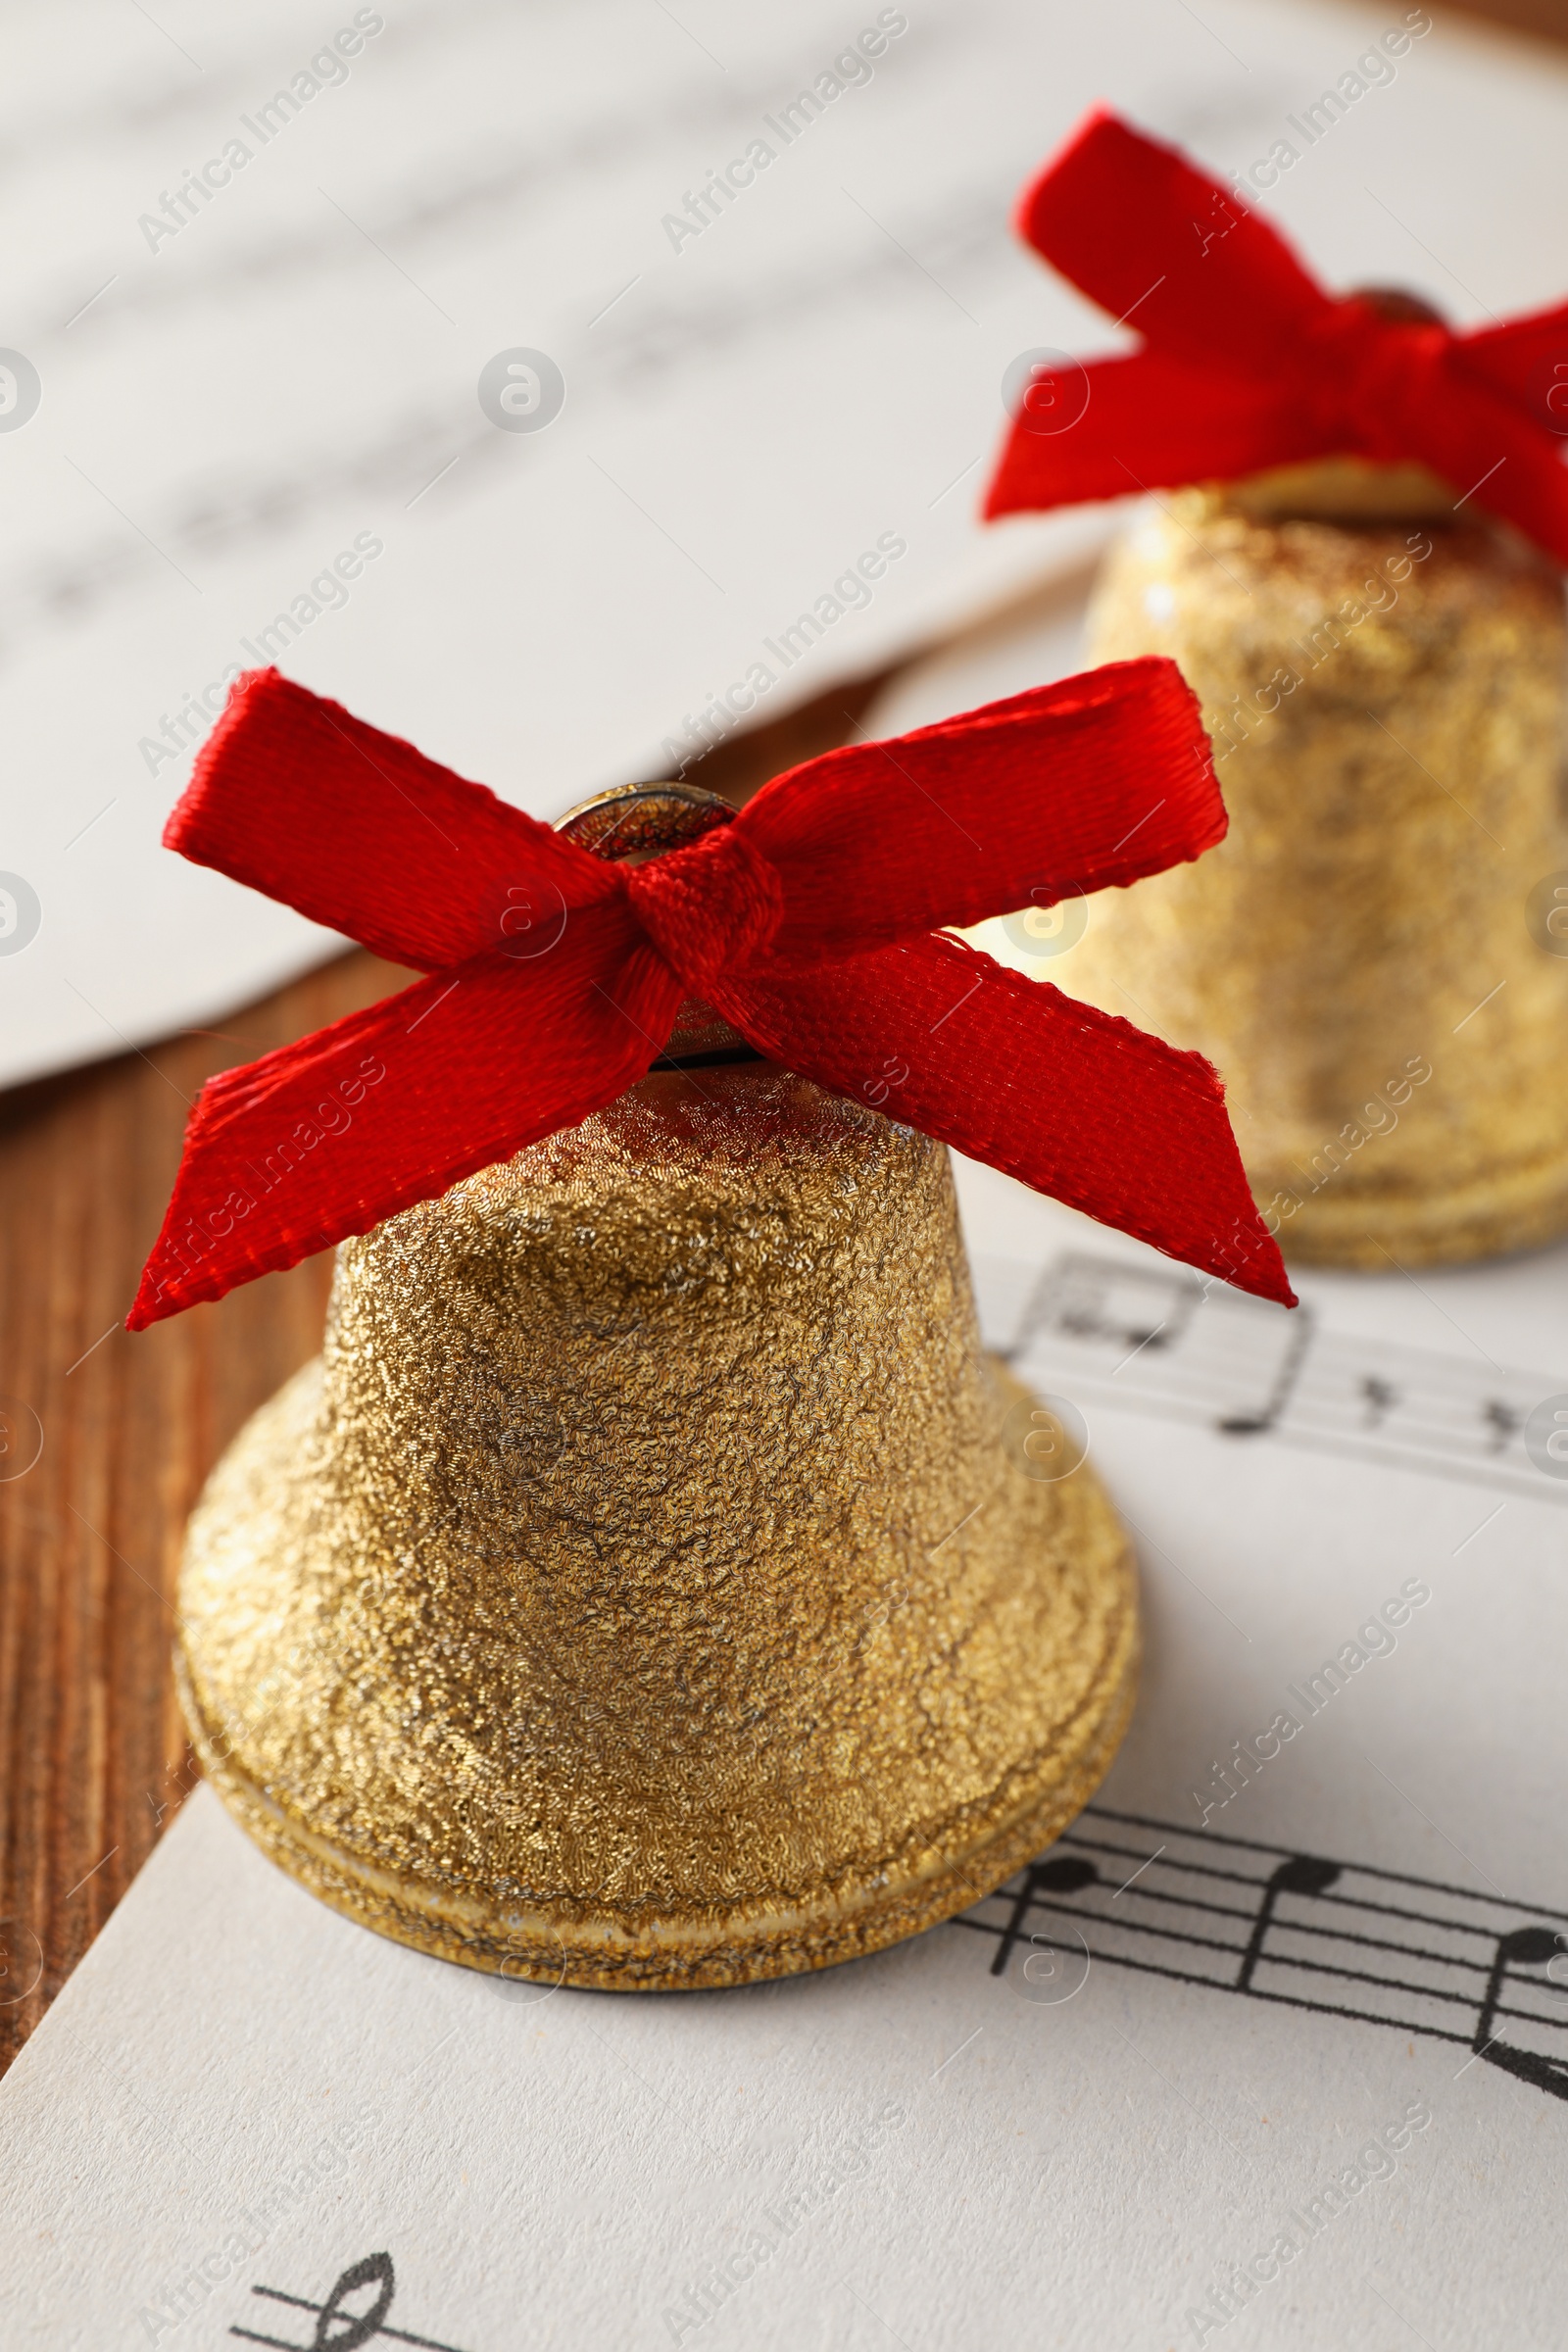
(1158, 1339)
(1373, 1946)
(259, 432)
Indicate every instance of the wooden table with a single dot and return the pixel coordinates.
(94, 1756)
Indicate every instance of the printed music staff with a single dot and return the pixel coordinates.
(1150, 1339)
(1374, 1946)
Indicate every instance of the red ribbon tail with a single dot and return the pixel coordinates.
(1476, 438)
(1075, 1102)
(331, 1137)
(1526, 360)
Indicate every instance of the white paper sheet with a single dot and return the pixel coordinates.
(240, 2096)
(293, 374)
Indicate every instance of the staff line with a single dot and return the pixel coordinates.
(1257, 1992)
(1350, 1902)
(1302, 1927)
(1254, 1993)
(1268, 1959)
(1281, 1853)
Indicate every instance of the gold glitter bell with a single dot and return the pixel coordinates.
(1370, 955)
(1376, 958)
(653, 1585)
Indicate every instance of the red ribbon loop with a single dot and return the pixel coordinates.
(1247, 363)
(806, 922)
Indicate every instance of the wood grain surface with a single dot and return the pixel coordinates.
(93, 1757)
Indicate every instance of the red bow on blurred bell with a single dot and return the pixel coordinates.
(808, 922)
(1248, 363)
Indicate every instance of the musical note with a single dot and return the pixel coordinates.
(1300, 1874)
(1066, 1874)
(374, 2269)
(1521, 1947)
(1150, 1340)
(1505, 1421)
(1380, 1395)
(1345, 1940)
(1258, 1424)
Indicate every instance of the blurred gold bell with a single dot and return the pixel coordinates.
(653, 1585)
(1377, 956)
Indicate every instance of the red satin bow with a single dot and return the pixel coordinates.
(809, 923)
(1248, 363)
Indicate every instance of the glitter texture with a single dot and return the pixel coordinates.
(648, 1588)
(1389, 816)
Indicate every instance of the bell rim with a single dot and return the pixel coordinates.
(826, 1935)
(709, 1946)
